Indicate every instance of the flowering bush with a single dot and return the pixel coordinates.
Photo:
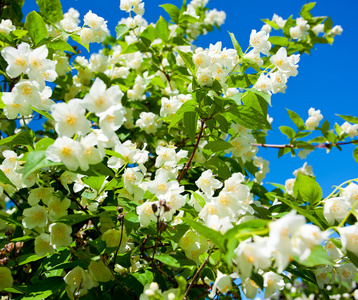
(144, 180)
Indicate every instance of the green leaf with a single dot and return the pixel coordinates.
(350, 119)
(51, 10)
(296, 119)
(173, 12)
(317, 257)
(37, 160)
(95, 182)
(168, 260)
(221, 167)
(236, 45)
(224, 125)
(73, 219)
(36, 27)
(286, 29)
(353, 257)
(216, 146)
(265, 96)
(249, 117)
(148, 35)
(27, 258)
(78, 40)
(188, 60)
(115, 154)
(198, 198)
(355, 154)
(121, 30)
(187, 106)
(22, 138)
(255, 101)
(248, 228)
(328, 25)
(4, 179)
(279, 41)
(190, 119)
(43, 113)
(287, 131)
(5, 217)
(44, 143)
(60, 45)
(162, 29)
(307, 189)
(271, 23)
(214, 236)
(251, 63)
(188, 19)
(305, 10)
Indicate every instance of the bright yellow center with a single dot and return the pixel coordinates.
(66, 151)
(71, 119)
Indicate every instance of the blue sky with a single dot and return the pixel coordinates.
(326, 79)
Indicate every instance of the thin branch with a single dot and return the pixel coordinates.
(197, 274)
(320, 146)
(13, 201)
(119, 246)
(187, 165)
(84, 209)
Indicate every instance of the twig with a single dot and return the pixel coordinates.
(323, 145)
(197, 274)
(187, 165)
(119, 246)
(13, 201)
(201, 295)
(85, 210)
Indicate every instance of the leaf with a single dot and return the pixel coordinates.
(115, 154)
(190, 119)
(249, 117)
(353, 257)
(224, 125)
(271, 23)
(44, 143)
(36, 27)
(305, 10)
(121, 30)
(168, 260)
(307, 189)
(350, 119)
(36, 160)
(198, 198)
(221, 167)
(355, 154)
(317, 257)
(265, 96)
(219, 145)
(27, 258)
(236, 45)
(173, 12)
(279, 41)
(255, 101)
(179, 114)
(287, 131)
(214, 236)
(4, 179)
(188, 60)
(162, 30)
(43, 113)
(60, 45)
(296, 119)
(251, 63)
(286, 29)
(73, 219)
(246, 229)
(22, 138)
(95, 182)
(5, 217)
(78, 40)
(51, 10)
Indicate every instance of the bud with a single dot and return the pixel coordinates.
(162, 226)
(9, 232)
(154, 207)
(119, 209)
(9, 247)
(120, 217)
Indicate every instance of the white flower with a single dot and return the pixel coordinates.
(336, 209)
(304, 170)
(28, 91)
(280, 60)
(60, 235)
(314, 118)
(39, 66)
(223, 283)
(57, 208)
(99, 271)
(6, 26)
(69, 152)
(321, 276)
(259, 40)
(70, 118)
(113, 237)
(78, 282)
(264, 84)
(272, 282)
(35, 216)
(17, 59)
(43, 245)
(351, 130)
(349, 237)
(207, 183)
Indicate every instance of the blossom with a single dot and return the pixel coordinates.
(17, 59)
(43, 245)
(223, 283)
(349, 237)
(207, 183)
(6, 26)
(204, 77)
(259, 40)
(6, 279)
(113, 238)
(280, 59)
(272, 282)
(60, 235)
(336, 209)
(99, 271)
(78, 282)
(58, 208)
(351, 130)
(35, 216)
(69, 152)
(12, 109)
(314, 118)
(70, 118)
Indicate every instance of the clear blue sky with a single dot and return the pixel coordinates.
(326, 79)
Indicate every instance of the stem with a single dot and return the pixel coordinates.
(84, 209)
(197, 274)
(13, 201)
(320, 146)
(119, 246)
(187, 165)
(348, 214)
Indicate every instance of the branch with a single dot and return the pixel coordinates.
(13, 201)
(197, 274)
(84, 209)
(320, 146)
(187, 165)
